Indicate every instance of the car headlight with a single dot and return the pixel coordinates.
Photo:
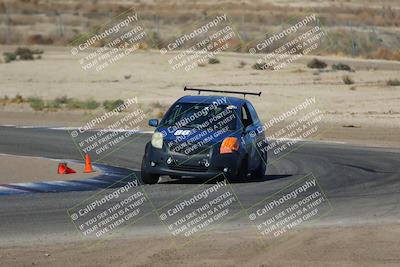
(157, 140)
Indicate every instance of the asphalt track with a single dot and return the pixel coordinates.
(362, 185)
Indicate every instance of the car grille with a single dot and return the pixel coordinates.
(188, 168)
(203, 150)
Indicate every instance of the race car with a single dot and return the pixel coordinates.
(207, 136)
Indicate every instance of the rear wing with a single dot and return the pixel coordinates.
(221, 91)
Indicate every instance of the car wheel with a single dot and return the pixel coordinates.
(148, 178)
(241, 174)
(260, 171)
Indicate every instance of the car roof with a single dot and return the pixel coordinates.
(209, 99)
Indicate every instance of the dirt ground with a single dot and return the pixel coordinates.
(20, 169)
(366, 112)
(368, 245)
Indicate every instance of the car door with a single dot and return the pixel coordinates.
(249, 137)
(260, 140)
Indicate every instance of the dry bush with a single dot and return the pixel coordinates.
(9, 56)
(394, 82)
(39, 39)
(341, 66)
(347, 79)
(262, 66)
(316, 64)
(213, 60)
(158, 109)
(242, 64)
(18, 99)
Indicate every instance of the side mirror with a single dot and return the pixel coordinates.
(153, 122)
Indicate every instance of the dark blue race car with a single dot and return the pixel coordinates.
(207, 137)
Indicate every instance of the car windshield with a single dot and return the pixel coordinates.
(202, 116)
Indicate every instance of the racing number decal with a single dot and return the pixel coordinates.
(182, 132)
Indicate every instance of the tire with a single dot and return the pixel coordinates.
(241, 173)
(259, 173)
(148, 178)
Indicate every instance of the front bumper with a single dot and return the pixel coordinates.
(162, 162)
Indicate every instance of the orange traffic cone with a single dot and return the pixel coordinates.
(62, 168)
(88, 165)
(69, 170)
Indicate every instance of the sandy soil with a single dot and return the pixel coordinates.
(369, 245)
(152, 79)
(20, 169)
(369, 104)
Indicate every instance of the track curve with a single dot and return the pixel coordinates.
(362, 183)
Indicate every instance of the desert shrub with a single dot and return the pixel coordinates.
(213, 60)
(86, 104)
(9, 56)
(110, 105)
(36, 103)
(74, 104)
(316, 64)
(258, 66)
(39, 104)
(24, 53)
(347, 79)
(4, 100)
(242, 64)
(52, 105)
(393, 82)
(18, 99)
(341, 66)
(62, 100)
(39, 39)
(158, 108)
(262, 66)
(91, 104)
